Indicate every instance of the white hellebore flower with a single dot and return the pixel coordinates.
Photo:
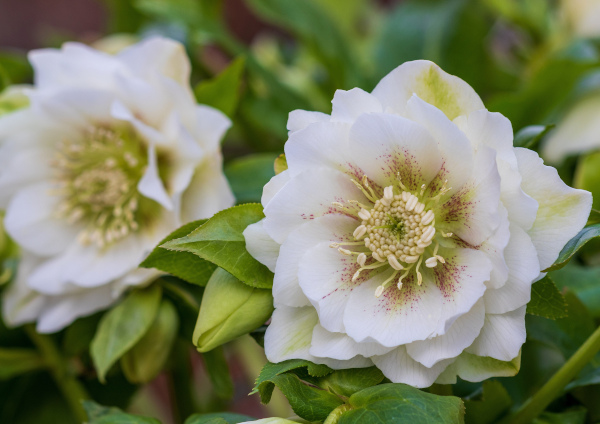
(407, 231)
(112, 154)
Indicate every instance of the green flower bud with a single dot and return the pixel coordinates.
(229, 309)
(148, 357)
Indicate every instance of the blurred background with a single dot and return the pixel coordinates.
(532, 60)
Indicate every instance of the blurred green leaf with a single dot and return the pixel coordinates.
(584, 282)
(223, 91)
(575, 416)
(546, 301)
(218, 372)
(587, 379)
(229, 310)
(123, 326)
(264, 386)
(123, 16)
(184, 265)
(494, 401)
(98, 414)
(221, 241)
(218, 418)
(16, 361)
(249, 174)
(573, 245)
(349, 381)
(587, 176)
(15, 68)
(529, 137)
(79, 335)
(399, 403)
(186, 299)
(143, 362)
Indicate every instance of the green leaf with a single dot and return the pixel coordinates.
(573, 245)
(248, 175)
(79, 335)
(583, 281)
(546, 300)
(529, 137)
(221, 241)
(218, 372)
(123, 326)
(587, 379)
(494, 401)
(399, 403)
(184, 265)
(98, 414)
(16, 361)
(143, 362)
(574, 416)
(218, 418)
(347, 382)
(308, 402)
(587, 177)
(263, 384)
(223, 91)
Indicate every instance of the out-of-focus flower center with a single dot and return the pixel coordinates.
(397, 230)
(97, 175)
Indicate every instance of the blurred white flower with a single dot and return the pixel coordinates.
(112, 154)
(407, 232)
(582, 16)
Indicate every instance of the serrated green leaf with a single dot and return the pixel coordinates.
(399, 403)
(308, 402)
(123, 326)
(98, 414)
(184, 265)
(222, 417)
(248, 175)
(573, 245)
(494, 401)
(221, 241)
(546, 301)
(529, 137)
(223, 91)
(270, 370)
(147, 358)
(347, 382)
(16, 361)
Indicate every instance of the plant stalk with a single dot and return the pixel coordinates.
(555, 386)
(71, 388)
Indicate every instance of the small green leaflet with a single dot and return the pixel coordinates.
(221, 241)
(248, 175)
(223, 91)
(98, 414)
(546, 300)
(573, 245)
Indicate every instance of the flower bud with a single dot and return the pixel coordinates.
(147, 358)
(229, 309)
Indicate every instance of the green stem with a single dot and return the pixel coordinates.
(554, 387)
(337, 413)
(72, 390)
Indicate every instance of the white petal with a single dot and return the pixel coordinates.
(339, 346)
(453, 145)
(472, 212)
(31, 220)
(208, 191)
(383, 145)
(260, 245)
(152, 135)
(521, 258)
(399, 367)
(494, 249)
(396, 317)
(158, 54)
(449, 345)
(286, 288)
(478, 368)
(425, 79)
(501, 336)
(289, 337)
(300, 119)
(322, 144)
(211, 126)
(21, 304)
(151, 186)
(299, 200)
(522, 208)
(61, 311)
(563, 211)
(349, 105)
(579, 131)
(273, 186)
